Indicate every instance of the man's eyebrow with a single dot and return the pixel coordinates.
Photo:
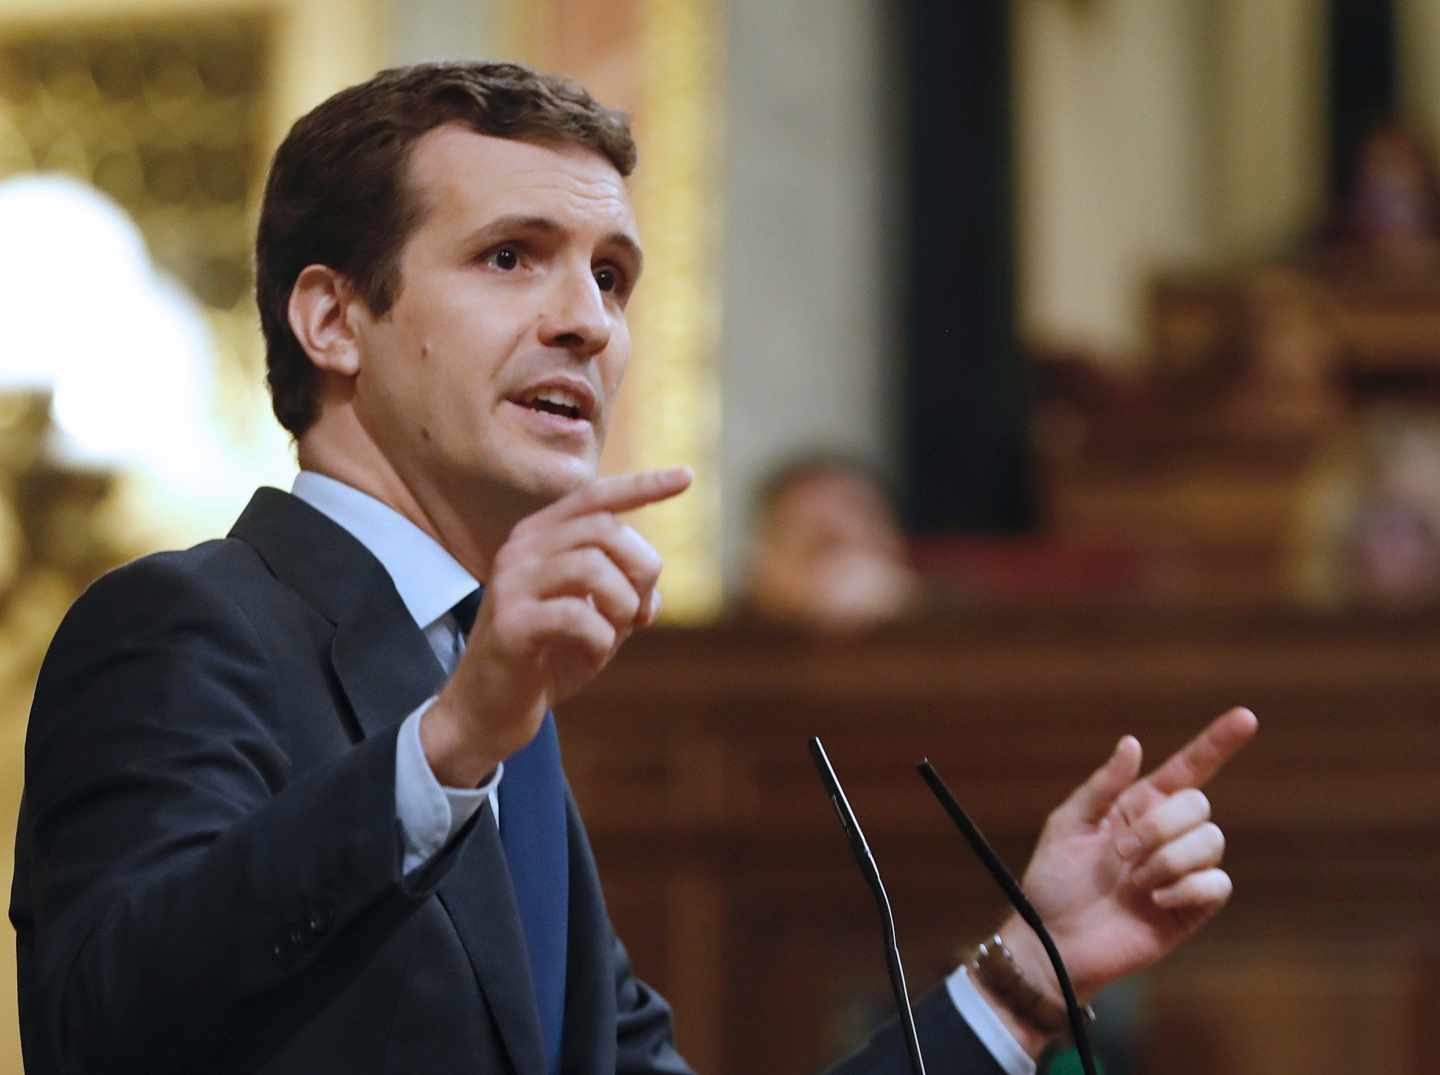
(546, 226)
(630, 246)
(515, 222)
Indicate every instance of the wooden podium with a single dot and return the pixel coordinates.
(730, 882)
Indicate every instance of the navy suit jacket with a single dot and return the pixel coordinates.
(208, 862)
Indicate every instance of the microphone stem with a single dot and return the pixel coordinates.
(897, 977)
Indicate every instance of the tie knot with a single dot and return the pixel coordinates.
(466, 608)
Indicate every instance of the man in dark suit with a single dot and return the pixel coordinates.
(293, 798)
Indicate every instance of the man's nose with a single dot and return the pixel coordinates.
(576, 316)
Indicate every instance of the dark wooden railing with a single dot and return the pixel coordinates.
(729, 880)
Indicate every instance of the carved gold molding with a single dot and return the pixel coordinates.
(677, 324)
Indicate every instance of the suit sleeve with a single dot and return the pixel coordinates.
(644, 1031)
(179, 890)
(949, 1045)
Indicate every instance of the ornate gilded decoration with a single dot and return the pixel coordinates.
(677, 320)
(168, 118)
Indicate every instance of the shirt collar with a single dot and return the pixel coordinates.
(428, 579)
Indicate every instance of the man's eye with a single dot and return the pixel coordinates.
(607, 279)
(506, 258)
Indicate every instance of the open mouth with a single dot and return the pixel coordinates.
(559, 400)
(550, 406)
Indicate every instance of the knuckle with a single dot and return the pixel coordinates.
(1214, 836)
(1128, 805)
(592, 561)
(575, 619)
(618, 609)
(640, 548)
(646, 580)
(1167, 861)
(1148, 831)
(1152, 830)
(626, 598)
(601, 642)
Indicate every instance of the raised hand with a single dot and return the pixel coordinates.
(565, 591)
(1127, 868)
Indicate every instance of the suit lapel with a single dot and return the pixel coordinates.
(590, 984)
(383, 662)
(379, 655)
(386, 668)
(478, 895)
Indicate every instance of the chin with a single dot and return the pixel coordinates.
(546, 481)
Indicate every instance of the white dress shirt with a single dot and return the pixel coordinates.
(430, 581)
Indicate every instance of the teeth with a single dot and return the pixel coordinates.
(557, 401)
(558, 398)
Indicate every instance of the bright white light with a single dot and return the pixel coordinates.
(139, 394)
(125, 350)
(60, 240)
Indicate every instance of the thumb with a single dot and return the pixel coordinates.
(1092, 800)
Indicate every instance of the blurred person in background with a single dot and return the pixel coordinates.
(826, 550)
(1285, 381)
(1388, 216)
(1368, 520)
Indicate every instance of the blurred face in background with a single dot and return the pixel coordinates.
(1394, 556)
(1392, 550)
(829, 554)
(1393, 200)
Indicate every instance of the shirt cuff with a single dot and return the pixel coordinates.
(430, 815)
(993, 1034)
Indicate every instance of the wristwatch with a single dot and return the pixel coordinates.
(994, 966)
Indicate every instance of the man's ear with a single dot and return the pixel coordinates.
(320, 318)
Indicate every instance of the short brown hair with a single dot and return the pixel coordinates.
(337, 195)
(810, 465)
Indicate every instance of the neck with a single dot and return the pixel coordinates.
(338, 448)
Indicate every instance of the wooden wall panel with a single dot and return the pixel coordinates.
(731, 882)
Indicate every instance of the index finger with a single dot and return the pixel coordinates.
(1200, 759)
(621, 492)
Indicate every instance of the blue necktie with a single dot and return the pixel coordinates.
(532, 830)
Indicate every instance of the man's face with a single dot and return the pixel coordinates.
(494, 373)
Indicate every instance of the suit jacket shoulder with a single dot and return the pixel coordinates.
(207, 844)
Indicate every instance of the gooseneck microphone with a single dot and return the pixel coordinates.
(1017, 899)
(861, 850)
(866, 860)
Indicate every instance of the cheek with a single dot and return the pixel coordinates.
(617, 358)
